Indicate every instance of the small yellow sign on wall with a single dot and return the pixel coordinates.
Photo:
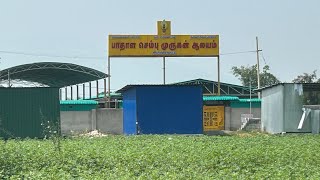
(213, 118)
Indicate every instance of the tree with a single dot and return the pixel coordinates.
(247, 73)
(307, 78)
(309, 97)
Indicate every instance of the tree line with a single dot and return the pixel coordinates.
(248, 76)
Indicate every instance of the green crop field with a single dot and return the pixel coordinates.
(242, 156)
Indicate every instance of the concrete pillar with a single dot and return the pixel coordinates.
(227, 118)
(315, 118)
(93, 119)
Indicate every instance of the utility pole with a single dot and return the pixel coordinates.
(0, 74)
(250, 96)
(258, 66)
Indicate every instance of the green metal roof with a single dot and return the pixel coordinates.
(220, 98)
(113, 94)
(52, 74)
(250, 100)
(211, 87)
(78, 102)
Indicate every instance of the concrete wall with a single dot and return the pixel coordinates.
(235, 116)
(110, 121)
(227, 118)
(75, 121)
(105, 120)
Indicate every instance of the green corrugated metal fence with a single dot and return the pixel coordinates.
(22, 110)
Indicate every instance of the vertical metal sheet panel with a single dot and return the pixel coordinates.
(22, 110)
(272, 109)
(129, 112)
(169, 109)
(293, 110)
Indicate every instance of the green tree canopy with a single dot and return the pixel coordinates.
(307, 78)
(309, 97)
(247, 73)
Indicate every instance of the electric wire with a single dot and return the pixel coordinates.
(91, 57)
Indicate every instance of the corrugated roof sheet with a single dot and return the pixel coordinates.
(78, 102)
(250, 100)
(113, 94)
(306, 86)
(127, 87)
(52, 74)
(220, 98)
(205, 81)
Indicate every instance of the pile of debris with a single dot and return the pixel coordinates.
(94, 133)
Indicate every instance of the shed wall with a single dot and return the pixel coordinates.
(169, 109)
(22, 110)
(130, 112)
(272, 109)
(293, 110)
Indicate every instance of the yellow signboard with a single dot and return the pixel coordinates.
(213, 118)
(163, 45)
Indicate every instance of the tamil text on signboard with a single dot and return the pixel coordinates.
(163, 46)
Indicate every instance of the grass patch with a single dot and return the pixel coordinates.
(249, 156)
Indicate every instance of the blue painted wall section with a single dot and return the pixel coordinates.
(129, 112)
(165, 109)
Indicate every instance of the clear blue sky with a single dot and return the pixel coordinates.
(287, 29)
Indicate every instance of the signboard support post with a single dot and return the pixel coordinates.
(218, 75)
(109, 98)
(164, 70)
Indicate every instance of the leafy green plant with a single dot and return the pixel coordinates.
(250, 156)
(51, 131)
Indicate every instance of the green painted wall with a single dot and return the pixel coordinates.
(77, 107)
(237, 104)
(22, 110)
